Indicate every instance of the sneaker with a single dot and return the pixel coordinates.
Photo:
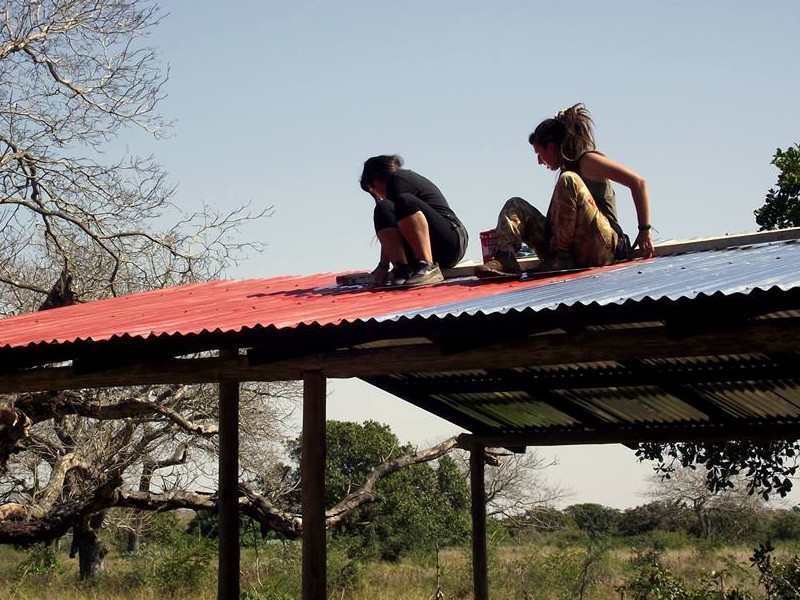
(425, 274)
(502, 264)
(398, 275)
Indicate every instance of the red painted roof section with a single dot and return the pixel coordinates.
(231, 306)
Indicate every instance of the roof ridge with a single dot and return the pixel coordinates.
(726, 241)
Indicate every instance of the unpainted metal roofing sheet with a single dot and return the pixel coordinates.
(738, 270)
(289, 302)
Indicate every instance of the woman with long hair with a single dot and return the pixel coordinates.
(417, 229)
(581, 228)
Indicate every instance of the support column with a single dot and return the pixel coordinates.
(477, 456)
(312, 473)
(229, 554)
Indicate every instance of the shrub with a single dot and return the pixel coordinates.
(343, 570)
(785, 525)
(650, 580)
(184, 566)
(780, 580)
(176, 569)
(664, 540)
(39, 559)
(564, 573)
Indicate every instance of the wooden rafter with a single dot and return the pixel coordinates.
(769, 335)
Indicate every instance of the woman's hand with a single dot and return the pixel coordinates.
(645, 243)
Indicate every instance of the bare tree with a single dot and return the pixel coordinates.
(517, 490)
(731, 508)
(263, 505)
(518, 486)
(77, 75)
(86, 452)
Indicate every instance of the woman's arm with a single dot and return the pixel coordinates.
(380, 274)
(598, 167)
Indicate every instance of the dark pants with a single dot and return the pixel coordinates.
(448, 238)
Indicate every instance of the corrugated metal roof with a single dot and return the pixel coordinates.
(569, 399)
(738, 270)
(289, 302)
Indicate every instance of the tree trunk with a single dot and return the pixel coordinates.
(133, 535)
(86, 543)
(149, 467)
(138, 515)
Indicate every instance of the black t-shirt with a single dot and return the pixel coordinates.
(404, 181)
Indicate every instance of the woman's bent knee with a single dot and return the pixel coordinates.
(383, 216)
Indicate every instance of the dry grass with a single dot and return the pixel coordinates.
(545, 572)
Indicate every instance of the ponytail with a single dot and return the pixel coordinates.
(572, 130)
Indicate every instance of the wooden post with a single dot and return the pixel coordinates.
(480, 576)
(312, 472)
(229, 555)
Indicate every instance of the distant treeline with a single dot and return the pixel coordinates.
(725, 522)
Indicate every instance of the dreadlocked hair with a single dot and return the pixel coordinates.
(571, 130)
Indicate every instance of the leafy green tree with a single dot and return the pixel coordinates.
(417, 507)
(452, 490)
(354, 450)
(408, 516)
(595, 519)
(782, 206)
(653, 516)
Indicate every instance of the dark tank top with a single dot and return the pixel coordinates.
(606, 201)
(601, 191)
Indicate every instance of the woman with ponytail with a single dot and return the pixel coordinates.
(581, 227)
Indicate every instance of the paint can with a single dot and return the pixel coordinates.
(488, 244)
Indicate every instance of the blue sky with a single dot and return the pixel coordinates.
(279, 103)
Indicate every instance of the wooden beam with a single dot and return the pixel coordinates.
(767, 336)
(727, 241)
(312, 473)
(229, 552)
(424, 401)
(480, 573)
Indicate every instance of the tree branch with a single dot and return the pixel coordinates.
(251, 503)
(48, 405)
(57, 523)
(365, 493)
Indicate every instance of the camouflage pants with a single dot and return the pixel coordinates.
(574, 222)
